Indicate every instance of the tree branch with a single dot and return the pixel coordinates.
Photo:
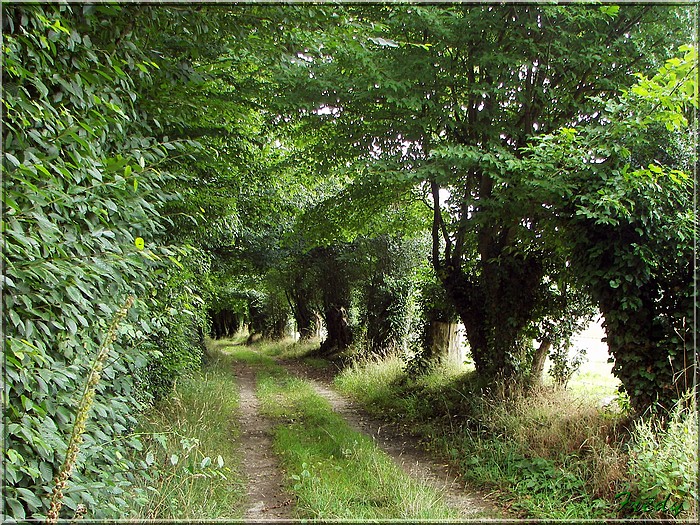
(438, 227)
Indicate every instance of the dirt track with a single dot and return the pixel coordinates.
(267, 497)
(266, 494)
(398, 443)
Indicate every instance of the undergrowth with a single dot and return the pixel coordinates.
(192, 439)
(289, 349)
(551, 454)
(663, 462)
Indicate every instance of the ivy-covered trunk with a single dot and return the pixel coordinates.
(306, 324)
(653, 360)
(642, 281)
(386, 315)
(654, 356)
(495, 308)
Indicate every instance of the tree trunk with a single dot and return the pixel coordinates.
(335, 289)
(306, 321)
(441, 341)
(318, 325)
(339, 335)
(278, 329)
(300, 302)
(538, 361)
(495, 307)
(224, 323)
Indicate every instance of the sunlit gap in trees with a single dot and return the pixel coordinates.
(328, 110)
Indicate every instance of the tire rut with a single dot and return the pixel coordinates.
(267, 497)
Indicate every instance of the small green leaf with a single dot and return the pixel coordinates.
(383, 42)
(17, 510)
(176, 262)
(29, 497)
(14, 160)
(610, 10)
(13, 455)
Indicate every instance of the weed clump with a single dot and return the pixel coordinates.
(82, 414)
(191, 456)
(663, 459)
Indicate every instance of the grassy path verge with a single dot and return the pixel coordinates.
(334, 471)
(194, 439)
(547, 455)
(403, 447)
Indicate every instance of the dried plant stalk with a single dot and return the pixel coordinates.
(88, 396)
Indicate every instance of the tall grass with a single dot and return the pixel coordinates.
(663, 460)
(552, 454)
(372, 380)
(288, 348)
(194, 443)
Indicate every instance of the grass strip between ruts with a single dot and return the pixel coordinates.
(334, 471)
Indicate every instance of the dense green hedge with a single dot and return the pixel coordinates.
(82, 179)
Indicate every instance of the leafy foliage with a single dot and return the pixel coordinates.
(628, 222)
(81, 191)
(442, 99)
(432, 324)
(663, 457)
(390, 263)
(215, 161)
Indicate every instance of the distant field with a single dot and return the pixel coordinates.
(594, 378)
